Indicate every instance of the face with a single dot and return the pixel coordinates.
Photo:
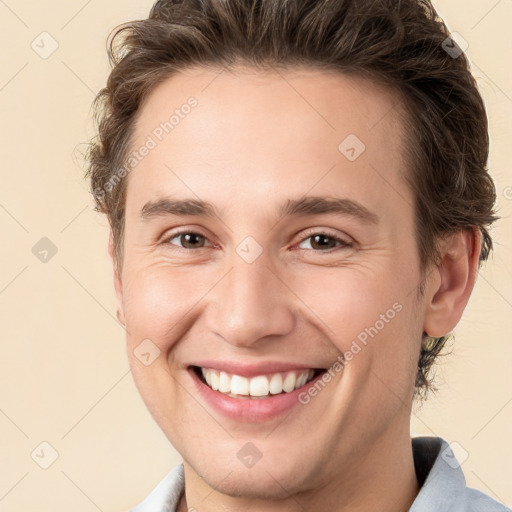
(270, 233)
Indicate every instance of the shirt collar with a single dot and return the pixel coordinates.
(439, 475)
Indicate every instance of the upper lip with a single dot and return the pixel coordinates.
(252, 369)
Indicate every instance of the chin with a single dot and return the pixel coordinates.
(259, 484)
(271, 479)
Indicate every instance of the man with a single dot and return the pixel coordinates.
(299, 204)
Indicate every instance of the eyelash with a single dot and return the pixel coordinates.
(343, 244)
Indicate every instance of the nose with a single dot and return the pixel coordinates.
(249, 304)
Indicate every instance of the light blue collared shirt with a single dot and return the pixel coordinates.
(443, 486)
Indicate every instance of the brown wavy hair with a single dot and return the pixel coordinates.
(402, 44)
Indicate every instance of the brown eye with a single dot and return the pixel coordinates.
(188, 240)
(323, 242)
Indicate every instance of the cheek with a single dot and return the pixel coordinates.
(162, 302)
(150, 302)
(158, 303)
(348, 301)
(372, 320)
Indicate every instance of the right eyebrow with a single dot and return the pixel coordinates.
(169, 206)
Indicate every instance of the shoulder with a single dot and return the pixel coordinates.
(443, 486)
(166, 495)
(477, 501)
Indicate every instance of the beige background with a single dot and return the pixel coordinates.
(64, 377)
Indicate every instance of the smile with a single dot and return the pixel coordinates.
(259, 386)
(252, 393)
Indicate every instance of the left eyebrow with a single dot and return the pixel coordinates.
(315, 205)
(309, 205)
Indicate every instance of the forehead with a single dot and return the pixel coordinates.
(254, 131)
(327, 101)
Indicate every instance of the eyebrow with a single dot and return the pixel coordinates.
(309, 205)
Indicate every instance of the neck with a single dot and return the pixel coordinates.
(382, 478)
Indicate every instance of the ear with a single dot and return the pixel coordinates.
(118, 284)
(452, 281)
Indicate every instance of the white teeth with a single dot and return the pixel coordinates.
(289, 382)
(301, 380)
(276, 384)
(260, 386)
(224, 382)
(214, 376)
(239, 385)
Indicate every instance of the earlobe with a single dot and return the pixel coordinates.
(456, 273)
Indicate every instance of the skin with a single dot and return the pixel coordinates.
(349, 448)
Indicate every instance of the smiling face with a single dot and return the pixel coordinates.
(262, 237)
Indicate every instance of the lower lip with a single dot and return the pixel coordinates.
(251, 410)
